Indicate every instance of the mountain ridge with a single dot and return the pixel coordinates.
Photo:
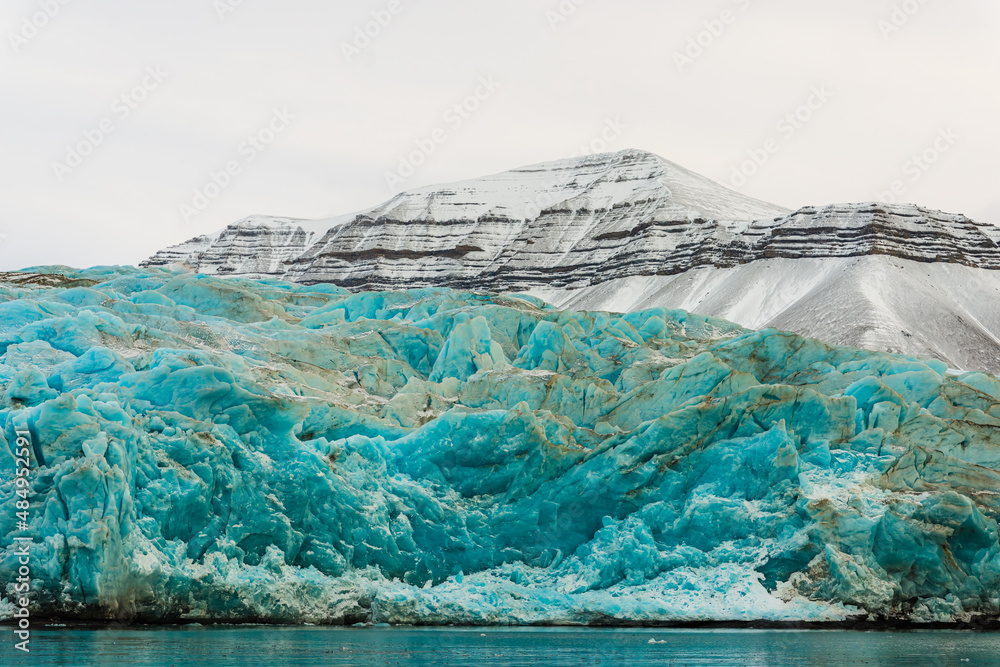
(594, 232)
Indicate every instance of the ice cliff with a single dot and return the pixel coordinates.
(210, 449)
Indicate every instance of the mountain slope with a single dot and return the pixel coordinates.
(514, 228)
(631, 230)
(929, 310)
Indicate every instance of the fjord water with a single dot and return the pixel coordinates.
(265, 645)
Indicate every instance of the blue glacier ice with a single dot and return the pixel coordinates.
(234, 450)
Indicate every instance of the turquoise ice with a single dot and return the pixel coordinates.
(211, 449)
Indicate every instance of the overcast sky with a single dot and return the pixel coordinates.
(117, 113)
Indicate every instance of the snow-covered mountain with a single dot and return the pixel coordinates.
(513, 230)
(631, 230)
(257, 246)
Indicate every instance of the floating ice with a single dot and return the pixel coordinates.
(237, 450)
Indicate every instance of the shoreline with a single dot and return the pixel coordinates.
(882, 625)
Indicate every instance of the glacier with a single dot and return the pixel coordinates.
(235, 450)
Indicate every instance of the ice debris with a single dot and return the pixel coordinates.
(209, 449)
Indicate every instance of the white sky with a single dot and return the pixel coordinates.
(891, 94)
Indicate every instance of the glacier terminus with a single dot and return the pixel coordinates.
(234, 449)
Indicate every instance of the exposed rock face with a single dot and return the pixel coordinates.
(574, 247)
(631, 230)
(257, 246)
(854, 230)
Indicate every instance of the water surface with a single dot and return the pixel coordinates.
(263, 645)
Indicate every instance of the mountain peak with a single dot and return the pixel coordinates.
(601, 181)
(555, 208)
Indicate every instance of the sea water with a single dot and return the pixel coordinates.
(266, 645)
